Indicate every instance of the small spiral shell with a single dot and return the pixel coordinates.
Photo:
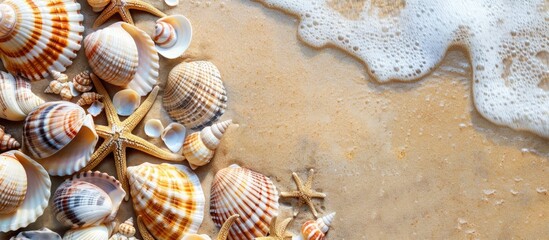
(164, 35)
(7, 142)
(126, 228)
(82, 82)
(199, 147)
(89, 98)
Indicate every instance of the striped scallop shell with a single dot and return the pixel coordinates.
(168, 197)
(100, 232)
(61, 136)
(316, 230)
(251, 195)
(16, 97)
(195, 95)
(13, 184)
(199, 147)
(88, 199)
(7, 142)
(37, 191)
(39, 37)
(123, 55)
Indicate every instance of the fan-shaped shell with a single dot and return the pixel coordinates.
(195, 95)
(251, 195)
(126, 102)
(36, 197)
(39, 37)
(199, 147)
(172, 35)
(101, 232)
(13, 184)
(16, 97)
(316, 230)
(123, 55)
(173, 136)
(168, 197)
(61, 136)
(42, 234)
(7, 142)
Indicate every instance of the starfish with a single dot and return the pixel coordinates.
(223, 232)
(277, 232)
(118, 136)
(123, 7)
(304, 192)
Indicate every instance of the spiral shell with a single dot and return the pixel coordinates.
(167, 193)
(7, 142)
(42, 234)
(98, 5)
(172, 35)
(61, 136)
(65, 89)
(251, 195)
(89, 98)
(199, 147)
(16, 97)
(82, 82)
(123, 55)
(316, 230)
(195, 95)
(39, 37)
(126, 228)
(100, 232)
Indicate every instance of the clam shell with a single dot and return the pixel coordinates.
(98, 5)
(153, 128)
(61, 136)
(195, 95)
(316, 230)
(13, 184)
(36, 198)
(39, 37)
(16, 97)
(168, 197)
(199, 147)
(172, 35)
(7, 142)
(101, 232)
(126, 102)
(123, 55)
(251, 195)
(173, 136)
(42, 234)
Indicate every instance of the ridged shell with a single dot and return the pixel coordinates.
(123, 55)
(168, 197)
(65, 89)
(174, 136)
(13, 184)
(39, 37)
(153, 128)
(251, 195)
(88, 199)
(82, 82)
(98, 5)
(16, 97)
(42, 234)
(196, 237)
(126, 101)
(36, 198)
(172, 35)
(126, 228)
(195, 95)
(61, 136)
(199, 147)
(316, 230)
(101, 232)
(7, 142)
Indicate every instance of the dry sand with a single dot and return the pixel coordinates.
(399, 161)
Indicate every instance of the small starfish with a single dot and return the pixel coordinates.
(223, 232)
(278, 232)
(304, 192)
(118, 136)
(123, 7)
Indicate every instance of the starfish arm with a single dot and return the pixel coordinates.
(311, 206)
(149, 148)
(98, 155)
(272, 226)
(318, 195)
(298, 182)
(126, 15)
(103, 131)
(224, 231)
(143, 6)
(134, 119)
(105, 15)
(294, 194)
(281, 229)
(143, 230)
(309, 182)
(120, 164)
(110, 111)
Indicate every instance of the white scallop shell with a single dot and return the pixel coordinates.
(199, 147)
(153, 128)
(126, 102)
(42, 234)
(101, 232)
(173, 35)
(174, 136)
(16, 97)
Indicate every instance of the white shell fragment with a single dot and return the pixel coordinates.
(174, 136)
(172, 3)
(126, 102)
(172, 35)
(154, 128)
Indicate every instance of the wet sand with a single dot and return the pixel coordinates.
(399, 160)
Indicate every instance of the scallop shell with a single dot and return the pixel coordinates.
(98, 5)
(39, 37)
(37, 193)
(123, 55)
(173, 136)
(82, 82)
(195, 95)
(153, 128)
(172, 35)
(101, 232)
(126, 102)
(61, 136)
(126, 228)
(88, 199)
(316, 230)
(42, 234)
(199, 147)
(7, 142)
(251, 195)
(13, 187)
(167, 193)
(16, 97)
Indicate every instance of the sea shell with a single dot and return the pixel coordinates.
(98, 5)
(13, 187)
(101, 232)
(7, 142)
(195, 95)
(39, 37)
(173, 136)
(82, 82)
(251, 195)
(171, 3)
(37, 193)
(167, 193)
(94, 100)
(65, 89)
(88, 199)
(172, 35)
(153, 128)
(16, 97)
(126, 228)
(199, 147)
(123, 55)
(42, 234)
(60, 136)
(194, 236)
(126, 102)
(316, 230)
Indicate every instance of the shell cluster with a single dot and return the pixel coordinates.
(199, 147)
(16, 97)
(63, 88)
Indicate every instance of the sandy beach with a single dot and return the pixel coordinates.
(396, 160)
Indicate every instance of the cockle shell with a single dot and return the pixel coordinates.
(251, 195)
(100, 232)
(153, 128)
(195, 95)
(42, 234)
(98, 5)
(168, 197)
(123, 55)
(60, 136)
(316, 230)
(7, 142)
(199, 147)
(173, 136)
(172, 35)
(126, 102)
(82, 82)
(13, 184)
(88, 199)
(16, 97)
(37, 190)
(39, 37)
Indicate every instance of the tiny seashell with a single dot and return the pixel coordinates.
(54, 87)
(153, 128)
(58, 76)
(39, 37)
(172, 35)
(98, 5)
(194, 94)
(16, 97)
(95, 108)
(82, 82)
(126, 102)
(88, 98)
(250, 194)
(199, 147)
(42, 234)
(174, 136)
(167, 192)
(126, 228)
(171, 3)
(100, 232)
(65, 89)
(316, 230)
(7, 142)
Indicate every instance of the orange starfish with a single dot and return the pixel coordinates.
(123, 7)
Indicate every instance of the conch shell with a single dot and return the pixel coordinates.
(316, 230)
(172, 35)
(7, 142)
(39, 37)
(123, 55)
(199, 147)
(16, 97)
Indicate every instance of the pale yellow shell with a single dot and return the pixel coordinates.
(199, 147)
(7, 142)
(82, 82)
(13, 184)
(16, 97)
(98, 5)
